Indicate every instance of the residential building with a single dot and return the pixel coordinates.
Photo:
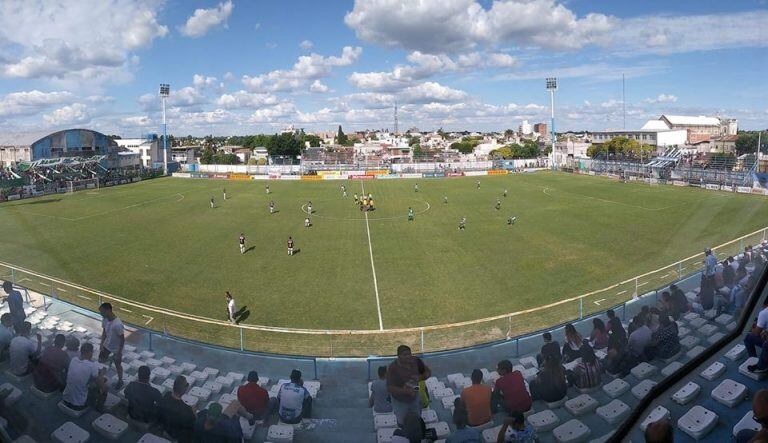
(526, 128)
(150, 148)
(569, 149)
(700, 128)
(541, 129)
(184, 155)
(654, 137)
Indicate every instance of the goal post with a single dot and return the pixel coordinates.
(80, 185)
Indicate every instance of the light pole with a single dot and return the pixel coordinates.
(552, 87)
(165, 90)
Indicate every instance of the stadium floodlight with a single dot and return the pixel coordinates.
(552, 87)
(165, 91)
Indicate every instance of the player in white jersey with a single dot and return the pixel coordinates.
(225, 193)
(307, 222)
(267, 188)
(505, 192)
(290, 246)
(309, 207)
(242, 243)
(416, 187)
(272, 207)
(213, 205)
(462, 223)
(511, 220)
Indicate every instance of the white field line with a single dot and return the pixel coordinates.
(641, 284)
(373, 267)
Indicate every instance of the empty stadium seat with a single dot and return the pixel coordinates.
(441, 428)
(713, 371)
(697, 422)
(714, 338)
(616, 388)
(70, 433)
(644, 370)
(490, 435)
(689, 341)
(736, 353)
(572, 431)
(428, 415)
(383, 435)
(697, 323)
(543, 421)
(15, 378)
(556, 404)
(583, 404)
(729, 392)
(384, 421)
(655, 415)
(280, 433)
(152, 438)
(723, 319)
(695, 351)
(613, 412)
(13, 396)
(707, 329)
(671, 368)
(687, 393)
(109, 426)
(643, 388)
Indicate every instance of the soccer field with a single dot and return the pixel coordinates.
(159, 242)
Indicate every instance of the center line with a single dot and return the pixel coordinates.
(373, 268)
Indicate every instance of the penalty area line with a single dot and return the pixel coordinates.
(373, 267)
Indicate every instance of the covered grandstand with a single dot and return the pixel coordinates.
(32, 146)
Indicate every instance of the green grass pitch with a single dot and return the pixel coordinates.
(159, 242)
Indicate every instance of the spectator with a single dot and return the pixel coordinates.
(679, 301)
(740, 292)
(50, 374)
(294, 401)
(640, 338)
(668, 305)
(413, 429)
(550, 385)
(660, 431)
(380, 400)
(706, 300)
(509, 390)
(615, 327)
(665, 341)
(520, 432)
(403, 377)
(477, 400)
(573, 342)
(73, 347)
(254, 398)
(6, 335)
(143, 398)
(599, 336)
(176, 417)
(24, 351)
(85, 382)
(112, 341)
(618, 362)
(213, 426)
(550, 348)
(728, 273)
(760, 414)
(757, 337)
(464, 432)
(15, 305)
(230, 307)
(589, 372)
(710, 263)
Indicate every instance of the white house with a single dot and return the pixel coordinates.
(150, 149)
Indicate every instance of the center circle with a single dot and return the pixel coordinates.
(318, 211)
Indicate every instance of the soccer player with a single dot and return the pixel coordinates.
(445, 199)
(462, 223)
(272, 207)
(242, 243)
(505, 192)
(230, 307)
(309, 207)
(410, 214)
(307, 222)
(225, 193)
(416, 187)
(213, 205)
(370, 196)
(498, 204)
(511, 220)
(267, 187)
(344, 193)
(356, 200)
(478, 184)
(290, 245)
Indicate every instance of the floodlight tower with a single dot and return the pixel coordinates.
(552, 87)
(165, 90)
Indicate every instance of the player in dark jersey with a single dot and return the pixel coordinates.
(416, 187)
(410, 214)
(290, 246)
(242, 243)
(505, 192)
(511, 220)
(462, 223)
(498, 204)
(267, 188)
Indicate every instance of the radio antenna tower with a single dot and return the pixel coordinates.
(396, 129)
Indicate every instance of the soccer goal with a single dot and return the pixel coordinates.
(79, 185)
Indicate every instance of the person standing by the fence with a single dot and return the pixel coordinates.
(112, 341)
(15, 305)
(230, 308)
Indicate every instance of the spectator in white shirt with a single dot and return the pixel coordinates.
(640, 338)
(24, 351)
(294, 401)
(6, 335)
(757, 337)
(112, 341)
(85, 381)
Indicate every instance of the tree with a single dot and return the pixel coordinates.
(509, 133)
(416, 150)
(314, 141)
(504, 152)
(341, 137)
(206, 158)
(286, 144)
(746, 143)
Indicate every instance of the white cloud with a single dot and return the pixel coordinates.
(244, 99)
(229, 76)
(187, 96)
(67, 115)
(91, 39)
(205, 118)
(281, 112)
(201, 81)
(306, 68)
(661, 98)
(370, 100)
(318, 87)
(203, 20)
(431, 92)
(136, 120)
(31, 102)
(306, 45)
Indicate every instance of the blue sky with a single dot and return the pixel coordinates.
(241, 66)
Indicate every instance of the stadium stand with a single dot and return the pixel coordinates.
(707, 403)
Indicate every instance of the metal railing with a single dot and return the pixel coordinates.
(363, 343)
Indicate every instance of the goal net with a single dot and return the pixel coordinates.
(80, 185)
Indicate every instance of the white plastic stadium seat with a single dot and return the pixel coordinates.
(697, 323)
(689, 341)
(697, 422)
(236, 377)
(453, 377)
(707, 329)
(690, 316)
(687, 393)
(384, 421)
(212, 372)
(202, 394)
(736, 353)
(695, 351)
(713, 371)
(447, 401)
(743, 369)
(109, 426)
(616, 388)
(543, 421)
(714, 338)
(656, 414)
(429, 416)
(168, 361)
(682, 331)
(729, 393)
(643, 388)
(284, 434)
(529, 362)
(441, 429)
(70, 433)
(186, 368)
(490, 434)
(71, 412)
(613, 412)
(746, 422)
(383, 435)
(583, 404)
(644, 370)
(572, 431)
(226, 382)
(671, 368)
(445, 392)
(723, 319)
(198, 377)
(212, 386)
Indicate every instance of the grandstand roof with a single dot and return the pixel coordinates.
(655, 125)
(688, 120)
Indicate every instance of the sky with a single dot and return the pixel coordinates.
(255, 66)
